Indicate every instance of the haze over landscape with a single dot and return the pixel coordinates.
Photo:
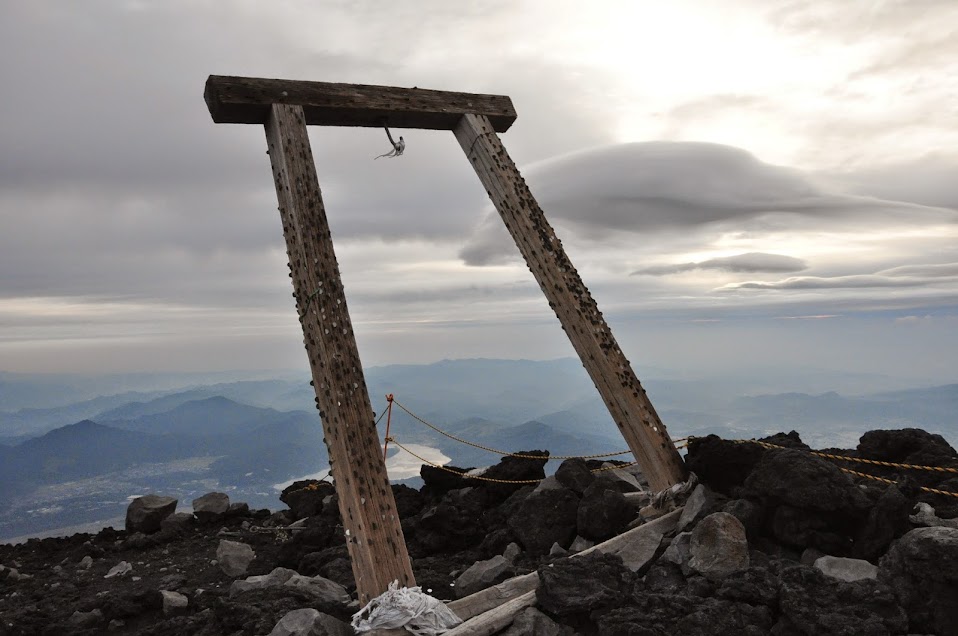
(760, 196)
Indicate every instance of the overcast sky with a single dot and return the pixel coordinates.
(741, 183)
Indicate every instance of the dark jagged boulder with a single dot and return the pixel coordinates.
(887, 520)
(804, 481)
(922, 569)
(438, 481)
(455, 523)
(787, 440)
(575, 475)
(721, 464)
(544, 518)
(513, 469)
(145, 514)
(799, 528)
(907, 446)
(603, 511)
(661, 614)
(211, 506)
(584, 585)
(409, 502)
(305, 497)
(812, 603)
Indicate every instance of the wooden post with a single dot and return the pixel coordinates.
(374, 536)
(573, 304)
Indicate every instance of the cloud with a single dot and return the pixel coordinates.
(903, 276)
(668, 187)
(750, 262)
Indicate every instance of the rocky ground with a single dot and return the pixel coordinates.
(771, 542)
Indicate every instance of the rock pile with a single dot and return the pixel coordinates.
(770, 542)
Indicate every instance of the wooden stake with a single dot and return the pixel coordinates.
(374, 536)
(573, 304)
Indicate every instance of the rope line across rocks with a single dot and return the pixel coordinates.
(497, 481)
(861, 460)
(501, 452)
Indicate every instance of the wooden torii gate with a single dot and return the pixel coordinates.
(285, 107)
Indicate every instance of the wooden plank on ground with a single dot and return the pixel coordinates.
(374, 536)
(247, 100)
(494, 620)
(568, 296)
(635, 547)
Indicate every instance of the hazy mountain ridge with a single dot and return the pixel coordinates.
(240, 435)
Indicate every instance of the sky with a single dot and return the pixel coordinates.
(741, 183)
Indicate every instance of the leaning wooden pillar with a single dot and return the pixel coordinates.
(374, 536)
(573, 304)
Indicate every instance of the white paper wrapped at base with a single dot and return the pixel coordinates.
(407, 607)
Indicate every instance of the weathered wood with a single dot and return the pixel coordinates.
(492, 597)
(634, 547)
(247, 100)
(573, 304)
(370, 520)
(496, 619)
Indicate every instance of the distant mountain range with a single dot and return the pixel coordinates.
(78, 461)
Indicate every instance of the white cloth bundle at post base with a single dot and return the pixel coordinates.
(406, 607)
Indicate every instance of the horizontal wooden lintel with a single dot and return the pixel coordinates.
(247, 100)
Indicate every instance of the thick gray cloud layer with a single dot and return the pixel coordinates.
(132, 228)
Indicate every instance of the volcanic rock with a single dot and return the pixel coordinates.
(211, 506)
(922, 569)
(173, 603)
(483, 574)
(234, 557)
(722, 464)
(532, 622)
(696, 507)
(514, 469)
(718, 546)
(603, 511)
(438, 481)
(178, 522)
(545, 518)
(144, 514)
(584, 584)
(846, 569)
(887, 520)
(305, 497)
(575, 475)
(310, 622)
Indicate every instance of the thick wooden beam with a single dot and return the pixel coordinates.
(247, 100)
(374, 536)
(573, 304)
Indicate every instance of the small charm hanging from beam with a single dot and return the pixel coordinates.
(398, 146)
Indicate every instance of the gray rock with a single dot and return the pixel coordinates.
(322, 589)
(310, 622)
(532, 622)
(234, 557)
(120, 569)
(85, 620)
(116, 624)
(575, 475)
(558, 551)
(749, 513)
(922, 570)
(580, 543)
(144, 514)
(512, 552)
(679, 552)
(846, 569)
(924, 515)
(718, 546)
(483, 574)
(211, 506)
(178, 521)
(697, 506)
(585, 584)
(238, 509)
(549, 483)
(9, 574)
(173, 603)
(277, 577)
(86, 562)
(623, 480)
